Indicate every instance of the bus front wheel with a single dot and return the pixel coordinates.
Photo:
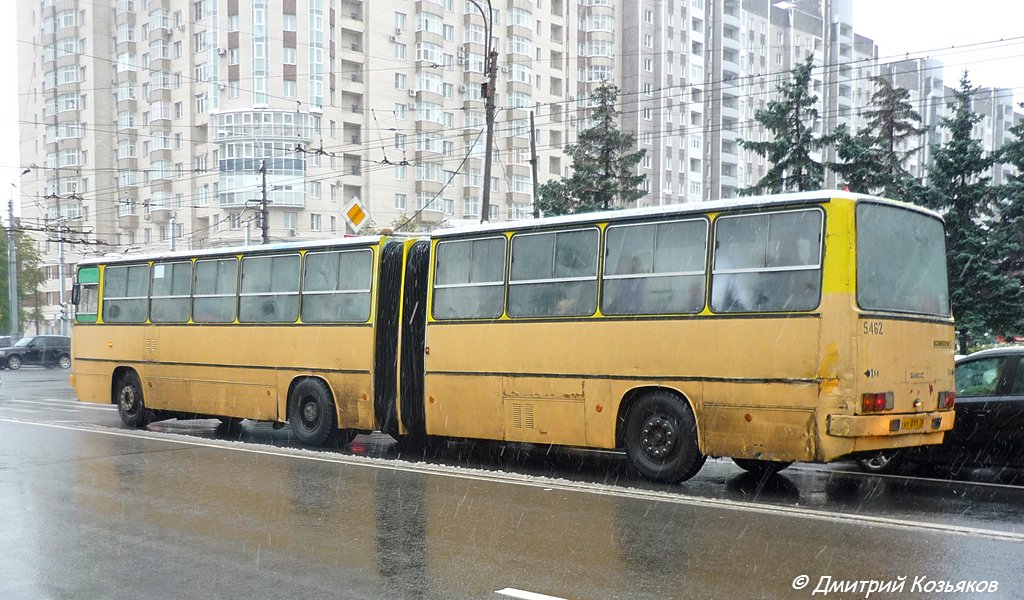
(130, 405)
(312, 412)
(661, 438)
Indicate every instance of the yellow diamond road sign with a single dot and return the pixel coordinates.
(355, 214)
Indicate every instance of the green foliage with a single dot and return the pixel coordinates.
(30, 277)
(1009, 226)
(984, 300)
(872, 160)
(604, 162)
(790, 120)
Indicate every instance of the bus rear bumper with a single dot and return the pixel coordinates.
(889, 425)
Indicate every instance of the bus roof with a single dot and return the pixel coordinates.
(366, 240)
(679, 209)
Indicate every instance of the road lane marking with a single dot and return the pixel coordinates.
(68, 403)
(525, 595)
(395, 464)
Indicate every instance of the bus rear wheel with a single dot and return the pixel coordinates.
(761, 468)
(312, 412)
(661, 438)
(130, 405)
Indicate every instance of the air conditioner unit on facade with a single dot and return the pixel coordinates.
(181, 27)
(504, 69)
(394, 38)
(412, 92)
(222, 51)
(398, 31)
(463, 88)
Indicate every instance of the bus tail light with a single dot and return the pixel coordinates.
(877, 402)
(946, 400)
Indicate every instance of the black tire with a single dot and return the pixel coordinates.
(882, 462)
(660, 436)
(64, 361)
(130, 402)
(14, 362)
(312, 414)
(761, 467)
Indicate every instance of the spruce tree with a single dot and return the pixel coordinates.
(959, 187)
(604, 161)
(1009, 224)
(873, 159)
(790, 119)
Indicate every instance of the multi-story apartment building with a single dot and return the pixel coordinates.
(160, 124)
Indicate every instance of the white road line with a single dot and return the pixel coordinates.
(66, 403)
(514, 593)
(394, 464)
(813, 468)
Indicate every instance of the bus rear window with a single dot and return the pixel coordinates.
(901, 261)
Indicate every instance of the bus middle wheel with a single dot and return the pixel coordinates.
(312, 412)
(661, 438)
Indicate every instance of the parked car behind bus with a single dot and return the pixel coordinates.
(989, 426)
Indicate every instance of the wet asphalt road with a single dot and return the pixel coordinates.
(187, 509)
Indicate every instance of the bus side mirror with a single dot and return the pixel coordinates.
(76, 294)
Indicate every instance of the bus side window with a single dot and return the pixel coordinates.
(126, 294)
(336, 286)
(469, 279)
(554, 274)
(767, 262)
(655, 268)
(215, 297)
(171, 291)
(270, 289)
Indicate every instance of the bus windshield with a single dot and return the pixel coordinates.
(901, 261)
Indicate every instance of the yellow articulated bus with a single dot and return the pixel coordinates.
(798, 327)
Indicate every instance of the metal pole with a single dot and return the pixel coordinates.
(533, 167)
(60, 279)
(491, 67)
(264, 213)
(12, 267)
(172, 234)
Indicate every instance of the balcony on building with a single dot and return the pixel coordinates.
(352, 15)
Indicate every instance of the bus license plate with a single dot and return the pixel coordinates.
(911, 423)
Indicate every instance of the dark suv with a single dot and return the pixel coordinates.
(45, 350)
(989, 426)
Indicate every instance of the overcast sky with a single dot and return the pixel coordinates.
(963, 34)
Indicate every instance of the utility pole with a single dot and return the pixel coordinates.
(61, 230)
(489, 88)
(172, 234)
(264, 213)
(12, 266)
(533, 167)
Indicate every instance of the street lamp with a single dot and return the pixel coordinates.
(489, 88)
